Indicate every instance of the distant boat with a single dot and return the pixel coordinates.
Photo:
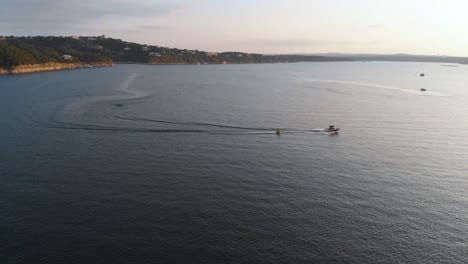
(422, 89)
(198, 63)
(422, 75)
(332, 129)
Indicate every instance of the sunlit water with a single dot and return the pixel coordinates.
(181, 164)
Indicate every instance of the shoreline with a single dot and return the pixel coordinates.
(231, 63)
(51, 66)
(55, 66)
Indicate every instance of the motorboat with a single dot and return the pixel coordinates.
(422, 89)
(332, 129)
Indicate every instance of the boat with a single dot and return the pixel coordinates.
(422, 89)
(278, 132)
(422, 75)
(332, 129)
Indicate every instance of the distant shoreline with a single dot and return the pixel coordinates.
(53, 66)
(19, 55)
(34, 53)
(232, 63)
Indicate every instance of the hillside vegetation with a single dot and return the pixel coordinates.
(16, 51)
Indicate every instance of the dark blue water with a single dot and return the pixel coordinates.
(180, 164)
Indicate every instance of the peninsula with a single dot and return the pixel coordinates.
(47, 53)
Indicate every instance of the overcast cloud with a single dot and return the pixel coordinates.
(72, 11)
(267, 26)
(35, 17)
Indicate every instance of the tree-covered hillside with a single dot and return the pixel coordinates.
(15, 51)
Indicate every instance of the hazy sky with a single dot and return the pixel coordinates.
(265, 26)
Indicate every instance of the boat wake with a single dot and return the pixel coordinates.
(78, 109)
(87, 113)
(409, 91)
(102, 113)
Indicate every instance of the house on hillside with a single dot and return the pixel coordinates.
(212, 54)
(67, 57)
(75, 37)
(95, 47)
(127, 49)
(145, 48)
(154, 54)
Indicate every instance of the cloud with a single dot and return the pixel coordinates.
(72, 13)
(152, 27)
(297, 42)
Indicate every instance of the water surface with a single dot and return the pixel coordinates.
(180, 164)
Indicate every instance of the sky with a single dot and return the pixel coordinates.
(431, 27)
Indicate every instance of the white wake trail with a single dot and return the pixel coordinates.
(405, 90)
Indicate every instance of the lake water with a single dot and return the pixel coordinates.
(180, 164)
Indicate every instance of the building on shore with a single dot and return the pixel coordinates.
(67, 57)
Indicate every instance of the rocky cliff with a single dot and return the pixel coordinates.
(51, 66)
